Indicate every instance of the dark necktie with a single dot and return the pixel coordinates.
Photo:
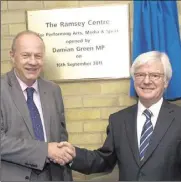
(146, 134)
(34, 114)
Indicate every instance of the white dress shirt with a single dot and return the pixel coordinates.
(155, 109)
(36, 98)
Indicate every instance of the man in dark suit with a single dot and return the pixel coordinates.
(32, 117)
(144, 139)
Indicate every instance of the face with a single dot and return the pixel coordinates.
(28, 58)
(150, 82)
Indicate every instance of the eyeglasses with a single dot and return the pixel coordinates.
(152, 76)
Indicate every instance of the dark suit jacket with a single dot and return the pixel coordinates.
(20, 152)
(121, 147)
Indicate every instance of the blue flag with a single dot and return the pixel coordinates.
(156, 27)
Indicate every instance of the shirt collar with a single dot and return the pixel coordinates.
(24, 86)
(155, 108)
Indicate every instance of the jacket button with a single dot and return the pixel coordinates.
(27, 177)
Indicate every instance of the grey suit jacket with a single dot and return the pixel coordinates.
(162, 160)
(20, 152)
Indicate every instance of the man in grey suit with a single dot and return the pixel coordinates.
(143, 139)
(32, 117)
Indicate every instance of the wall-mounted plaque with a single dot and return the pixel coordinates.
(84, 43)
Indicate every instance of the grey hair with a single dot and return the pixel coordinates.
(25, 32)
(153, 56)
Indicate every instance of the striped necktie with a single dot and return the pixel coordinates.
(146, 134)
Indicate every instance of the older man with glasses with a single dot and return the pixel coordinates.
(143, 139)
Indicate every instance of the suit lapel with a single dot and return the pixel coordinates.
(131, 131)
(45, 103)
(164, 121)
(19, 100)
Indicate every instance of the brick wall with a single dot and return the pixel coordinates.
(87, 103)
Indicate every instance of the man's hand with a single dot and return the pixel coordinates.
(60, 153)
(71, 148)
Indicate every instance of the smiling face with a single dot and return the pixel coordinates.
(28, 57)
(150, 82)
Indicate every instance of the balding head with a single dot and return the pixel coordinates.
(19, 35)
(27, 55)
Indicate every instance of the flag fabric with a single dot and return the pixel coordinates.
(156, 27)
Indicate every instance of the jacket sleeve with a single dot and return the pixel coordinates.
(29, 153)
(96, 161)
(60, 109)
(67, 173)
